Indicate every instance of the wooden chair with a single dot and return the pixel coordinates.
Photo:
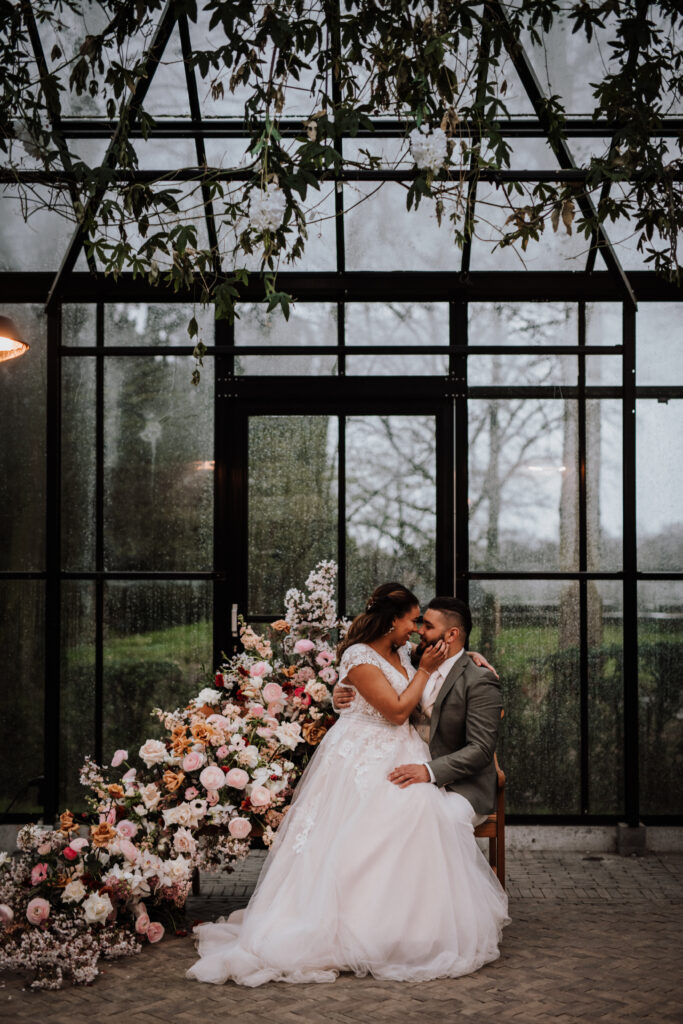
(493, 828)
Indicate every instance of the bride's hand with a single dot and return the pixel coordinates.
(434, 656)
(481, 662)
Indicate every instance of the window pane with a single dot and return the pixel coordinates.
(396, 323)
(309, 324)
(78, 463)
(142, 323)
(390, 505)
(659, 349)
(659, 481)
(77, 692)
(603, 327)
(157, 651)
(530, 631)
(158, 464)
(523, 323)
(33, 235)
(660, 690)
(524, 371)
(604, 485)
(22, 632)
(22, 453)
(78, 324)
(292, 504)
(605, 697)
(523, 485)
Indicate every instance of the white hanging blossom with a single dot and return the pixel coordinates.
(267, 209)
(429, 149)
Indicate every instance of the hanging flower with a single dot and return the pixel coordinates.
(267, 209)
(429, 149)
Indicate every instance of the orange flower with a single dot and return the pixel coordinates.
(102, 834)
(115, 790)
(313, 732)
(289, 672)
(173, 781)
(66, 823)
(281, 626)
(200, 731)
(180, 744)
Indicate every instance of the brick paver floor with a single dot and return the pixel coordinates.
(594, 938)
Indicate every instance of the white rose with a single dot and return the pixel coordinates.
(249, 756)
(97, 908)
(178, 869)
(73, 892)
(150, 796)
(289, 734)
(184, 841)
(153, 752)
(207, 696)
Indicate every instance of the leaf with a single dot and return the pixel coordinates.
(568, 214)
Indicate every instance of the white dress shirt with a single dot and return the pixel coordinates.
(431, 691)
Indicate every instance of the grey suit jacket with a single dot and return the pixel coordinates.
(463, 733)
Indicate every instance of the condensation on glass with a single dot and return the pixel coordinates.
(78, 463)
(77, 693)
(659, 485)
(309, 324)
(396, 323)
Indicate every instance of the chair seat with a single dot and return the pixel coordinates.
(488, 829)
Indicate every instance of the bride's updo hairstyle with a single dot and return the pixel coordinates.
(390, 601)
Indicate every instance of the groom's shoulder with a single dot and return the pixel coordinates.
(479, 674)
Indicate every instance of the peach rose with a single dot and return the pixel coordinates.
(313, 732)
(193, 761)
(271, 692)
(37, 911)
(237, 778)
(260, 796)
(239, 828)
(102, 834)
(281, 626)
(155, 932)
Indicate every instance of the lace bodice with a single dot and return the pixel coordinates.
(363, 654)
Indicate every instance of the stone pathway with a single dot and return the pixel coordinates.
(594, 938)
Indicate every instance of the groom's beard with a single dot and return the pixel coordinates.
(416, 656)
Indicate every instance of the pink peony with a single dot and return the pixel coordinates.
(78, 844)
(142, 924)
(212, 777)
(261, 668)
(70, 853)
(237, 778)
(129, 850)
(39, 874)
(303, 646)
(6, 914)
(119, 757)
(191, 792)
(155, 932)
(239, 828)
(324, 659)
(271, 692)
(37, 911)
(127, 829)
(222, 752)
(260, 796)
(193, 761)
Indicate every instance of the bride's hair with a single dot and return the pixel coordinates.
(388, 602)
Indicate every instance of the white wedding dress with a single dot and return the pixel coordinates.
(362, 876)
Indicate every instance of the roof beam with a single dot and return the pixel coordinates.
(151, 63)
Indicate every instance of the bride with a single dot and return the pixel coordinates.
(363, 875)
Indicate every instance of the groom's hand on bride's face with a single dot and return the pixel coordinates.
(408, 774)
(343, 696)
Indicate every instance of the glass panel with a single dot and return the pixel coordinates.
(22, 453)
(33, 235)
(523, 485)
(141, 323)
(309, 324)
(77, 691)
(78, 463)
(390, 505)
(158, 464)
(604, 485)
(168, 90)
(659, 348)
(157, 652)
(293, 486)
(381, 234)
(605, 697)
(22, 632)
(79, 325)
(603, 327)
(396, 323)
(523, 323)
(659, 483)
(526, 371)
(530, 631)
(165, 154)
(660, 689)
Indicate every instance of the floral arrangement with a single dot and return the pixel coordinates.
(219, 782)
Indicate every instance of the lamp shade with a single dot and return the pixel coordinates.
(11, 344)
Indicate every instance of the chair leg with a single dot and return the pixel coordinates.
(493, 853)
(196, 884)
(501, 851)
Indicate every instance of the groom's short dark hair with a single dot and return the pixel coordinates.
(455, 609)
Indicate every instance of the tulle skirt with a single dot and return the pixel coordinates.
(363, 877)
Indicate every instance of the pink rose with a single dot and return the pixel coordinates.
(212, 777)
(129, 776)
(129, 850)
(329, 675)
(239, 828)
(212, 798)
(264, 732)
(127, 829)
(324, 659)
(191, 792)
(119, 757)
(37, 911)
(142, 924)
(256, 710)
(237, 778)
(39, 874)
(193, 761)
(155, 932)
(303, 646)
(276, 708)
(260, 796)
(271, 692)
(70, 853)
(78, 844)
(219, 720)
(6, 914)
(261, 668)
(222, 752)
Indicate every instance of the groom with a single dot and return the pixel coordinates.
(458, 717)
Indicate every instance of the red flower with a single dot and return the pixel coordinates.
(219, 680)
(225, 767)
(246, 804)
(69, 853)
